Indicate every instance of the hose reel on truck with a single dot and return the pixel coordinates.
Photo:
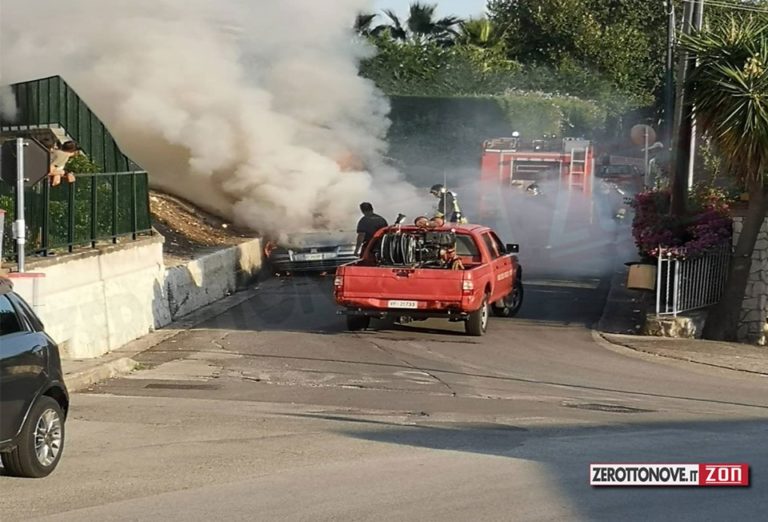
(413, 249)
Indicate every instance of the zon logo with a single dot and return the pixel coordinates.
(724, 474)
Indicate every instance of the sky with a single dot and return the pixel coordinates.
(461, 8)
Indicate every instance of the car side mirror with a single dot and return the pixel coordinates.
(513, 248)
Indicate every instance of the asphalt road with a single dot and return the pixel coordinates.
(273, 412)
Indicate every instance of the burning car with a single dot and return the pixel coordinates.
(311, 252)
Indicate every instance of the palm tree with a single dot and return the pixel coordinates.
(394, 28)
(364, 24)
(480, 32)
(729, 88)
(421, 25)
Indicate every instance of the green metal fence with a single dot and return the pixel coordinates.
(97, 207)
(51, 102)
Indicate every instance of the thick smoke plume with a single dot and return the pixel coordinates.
(7, 103)
(560, 233)
(251, 109)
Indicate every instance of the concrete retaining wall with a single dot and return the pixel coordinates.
(96, 302)
(754, 310)
(208, 279)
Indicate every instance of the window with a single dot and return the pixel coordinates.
(26, 315)
(500, 248)
(9, 321)
(491, 244)
(465, 246)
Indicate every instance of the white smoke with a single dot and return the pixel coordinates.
(243, 107)
(8, 108)
(560, 233)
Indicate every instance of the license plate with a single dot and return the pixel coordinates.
(408, 305)
(313, 257)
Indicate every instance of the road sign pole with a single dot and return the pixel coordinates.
(645, 160)
(669, 83)
(20, 229)
(698, 22)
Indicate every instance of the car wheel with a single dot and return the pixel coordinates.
(511, 304)
(41, 442)
(358, 322)
(477, 323)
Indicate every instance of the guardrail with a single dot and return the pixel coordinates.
(689, 284)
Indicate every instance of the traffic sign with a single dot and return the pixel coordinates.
(639, 136)
(37, 161)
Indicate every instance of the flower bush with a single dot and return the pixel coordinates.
(706, 226)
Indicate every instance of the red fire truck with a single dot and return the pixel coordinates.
(567, 164)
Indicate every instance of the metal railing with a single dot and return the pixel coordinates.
(689, 284)
(96, 208)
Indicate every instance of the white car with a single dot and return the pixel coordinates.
(311, 252)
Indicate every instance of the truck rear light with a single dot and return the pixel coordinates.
(338, 281)
(467, 286)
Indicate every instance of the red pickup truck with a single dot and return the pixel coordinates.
(403, 275)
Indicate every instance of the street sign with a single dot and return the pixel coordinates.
(639, 136)
(36, 162)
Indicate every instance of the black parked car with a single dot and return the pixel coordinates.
(33, 398)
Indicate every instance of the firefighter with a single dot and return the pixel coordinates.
(450, 259)
(421, 222)
(448, 204)
(437, 221)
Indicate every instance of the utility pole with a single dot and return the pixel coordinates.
(698, 23)
(682, 126)
(669, 83)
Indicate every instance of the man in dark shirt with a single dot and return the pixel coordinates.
(368, 225)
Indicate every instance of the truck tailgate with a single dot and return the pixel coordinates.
(402, 284)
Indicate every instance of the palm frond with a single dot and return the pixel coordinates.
(363, 23)
(729, 89)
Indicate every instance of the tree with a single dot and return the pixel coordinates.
(395, 28)
(364, 24)
(623, 41)
(430, 69)
(421, 25)
(729, 88)
(481, 32)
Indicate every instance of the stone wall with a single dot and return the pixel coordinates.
(754, 310)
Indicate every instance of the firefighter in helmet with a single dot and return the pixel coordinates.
(448, 204)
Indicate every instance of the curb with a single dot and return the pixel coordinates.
(600, 338)
(121, 362)
(84, 379)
